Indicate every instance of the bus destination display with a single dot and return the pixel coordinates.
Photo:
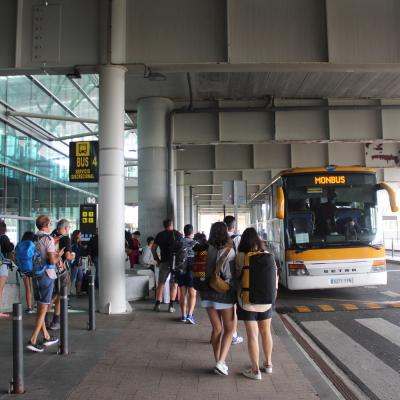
(83, 161)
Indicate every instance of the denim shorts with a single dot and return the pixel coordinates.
(3, 270)
(45, 287)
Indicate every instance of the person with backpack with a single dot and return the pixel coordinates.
(44, 263)
(24, 252)
(6, 249)
(63, 245)
(76, 265)
(219, 295)
(230, 222)
(170, 243)
(256, 274)
(185, 278)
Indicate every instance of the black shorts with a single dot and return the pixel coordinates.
(244, 315)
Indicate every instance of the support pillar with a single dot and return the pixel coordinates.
(153, 163)
(180, 200)
(187, 207)
(112, 292)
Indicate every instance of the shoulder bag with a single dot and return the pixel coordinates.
(216, 282)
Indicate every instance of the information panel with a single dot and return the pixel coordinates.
(83, 161)
(87, 220)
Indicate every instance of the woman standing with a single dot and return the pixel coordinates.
(77, 268)
(220, 305)
(24, 252)
(256, 317)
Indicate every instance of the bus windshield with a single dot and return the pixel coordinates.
(330, 210)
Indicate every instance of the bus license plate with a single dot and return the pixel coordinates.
(341, 281)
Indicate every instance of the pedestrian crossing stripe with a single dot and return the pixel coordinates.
(326, 307)
(380, 379)
(350, 307)
(336, 307)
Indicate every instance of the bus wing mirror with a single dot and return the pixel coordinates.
(392, 196)
(280, 203)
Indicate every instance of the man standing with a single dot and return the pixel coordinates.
(230, 223)
(165, 241)
(44, 263)
(6, 247)
(61, 235)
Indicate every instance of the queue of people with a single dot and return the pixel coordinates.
(226, 293)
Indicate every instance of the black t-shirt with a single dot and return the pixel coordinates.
(164, 241)
(64, 243)
(5, 245)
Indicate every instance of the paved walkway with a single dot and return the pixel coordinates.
(147, 355)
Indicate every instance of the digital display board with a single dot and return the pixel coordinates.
(84, 161)
(334, 179)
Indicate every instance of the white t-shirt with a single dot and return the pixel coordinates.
(236, 240)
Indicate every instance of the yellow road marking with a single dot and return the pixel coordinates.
(350, 307)
(303, 309)
(374, 306)
(395, 305)
(326, 307)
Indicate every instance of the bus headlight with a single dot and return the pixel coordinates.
(378, 266)
(297, 269)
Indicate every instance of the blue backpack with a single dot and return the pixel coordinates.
(24, 253)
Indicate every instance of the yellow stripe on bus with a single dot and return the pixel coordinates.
(303, 309)
(326, 307)
(374, 306)
(335, 254)
(350, 307)
(395, 305)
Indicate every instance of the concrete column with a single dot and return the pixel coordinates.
(180, 200)
(153, 163)
(187, 217)
(112, 299)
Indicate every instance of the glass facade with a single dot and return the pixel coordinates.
(33, 173)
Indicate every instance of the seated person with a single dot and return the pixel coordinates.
(351, 229)
(326, 215)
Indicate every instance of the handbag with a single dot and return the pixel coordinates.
(216, 282)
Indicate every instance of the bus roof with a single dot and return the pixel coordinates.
(325, 170)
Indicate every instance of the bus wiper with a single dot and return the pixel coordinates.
(374, 246)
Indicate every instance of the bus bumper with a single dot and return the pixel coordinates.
(336, 281)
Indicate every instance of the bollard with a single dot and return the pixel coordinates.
(64, 322)
(17, 383)
(92, 304)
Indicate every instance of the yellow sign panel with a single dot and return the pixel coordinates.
(82, 149)
(330, 180)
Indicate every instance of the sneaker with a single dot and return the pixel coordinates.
(157, 308)
(183, 319)
(266, 368)
(190, 319)
(29, 311)
(249, 373)
(50, 341)
(221, 368)
(237, 339)
(54, 326)
(37, 348)
(171, 309)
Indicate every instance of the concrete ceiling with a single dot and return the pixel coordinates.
(261, 85)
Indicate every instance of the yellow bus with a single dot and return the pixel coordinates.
(325, 226)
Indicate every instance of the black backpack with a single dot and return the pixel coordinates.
(178, 255)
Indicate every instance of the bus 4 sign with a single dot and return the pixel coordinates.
(83, 161)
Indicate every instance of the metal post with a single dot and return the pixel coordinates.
(64, 322)
(392, 248)
(17, 383)
(92, 304)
